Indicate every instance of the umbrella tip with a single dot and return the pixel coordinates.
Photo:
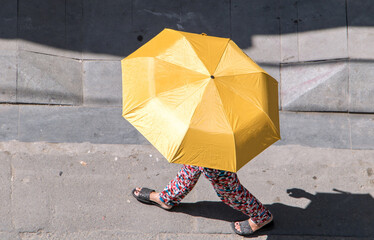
(211, 76)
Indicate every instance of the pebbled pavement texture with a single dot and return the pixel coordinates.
(83, 191)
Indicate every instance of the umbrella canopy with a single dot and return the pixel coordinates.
(200, 100)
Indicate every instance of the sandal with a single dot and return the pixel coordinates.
(144, 195)
(245, 228)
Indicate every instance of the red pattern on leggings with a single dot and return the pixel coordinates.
(227, 186)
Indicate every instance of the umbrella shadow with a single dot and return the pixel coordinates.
(212, 210)
(337, 213)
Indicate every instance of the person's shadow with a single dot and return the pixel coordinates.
(328, 214)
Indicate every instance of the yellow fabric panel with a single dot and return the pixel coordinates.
(209, 115)
(209, 141)
(209, 49)
(234, 62)
(211, 150)
(171, 46)
(137, 78)
(157, 45)
(258, 88)
(169, 76)
(146, 77)
(252, 129)
(273, 104)
(182, 102)
(163, 121)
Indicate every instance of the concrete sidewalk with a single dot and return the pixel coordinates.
(83, 191)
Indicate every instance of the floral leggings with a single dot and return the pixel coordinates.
(227, 186)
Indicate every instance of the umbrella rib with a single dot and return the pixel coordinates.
(180, 66)
(220, 59)
(159, 94)
(228, 122)
(165, 91)
(233, 75)
(192, 70)
(138, 105)
(194, 51)
(194, 111)
(248, 99)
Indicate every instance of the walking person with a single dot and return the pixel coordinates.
(228, 188)
(202, 102)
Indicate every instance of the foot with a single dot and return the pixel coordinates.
(253, 225)
(155, 198)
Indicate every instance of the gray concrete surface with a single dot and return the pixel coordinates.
(361, 87)
(322, 86)
(322, 44)
(9, 122)
(75, 124)
(8, 73)
(60, 82)
(102, 84)
(360, 35)
(105, 125)
(83, 191)
(48, 79)
(46, 48)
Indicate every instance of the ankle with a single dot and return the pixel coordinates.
(257, 226)
(156, 198)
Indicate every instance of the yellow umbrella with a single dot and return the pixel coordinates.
(200, 100)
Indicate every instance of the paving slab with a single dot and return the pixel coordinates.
(360, 29)
(320, 186)
(8, 78)
(322, 35)
(306, 189)
(201, 17)
(102, 83)
(255, 28)
(362, 130)
(8, 122)
(315, 129)
(9, 236)
(76, 124)
(101, 41)
(106, 125)
(6, 190)
(33, 214)
(81, 202)
(44, 79)
(50, 27)
(79, 184)
(361, 86)
(92, 235)
(319, 86)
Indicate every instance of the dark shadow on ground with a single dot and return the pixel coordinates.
(118, 27)
(209, 209)
(328, 214)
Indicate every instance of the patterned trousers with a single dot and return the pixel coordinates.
(227, 186)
